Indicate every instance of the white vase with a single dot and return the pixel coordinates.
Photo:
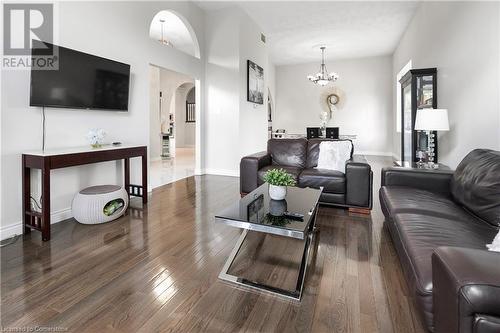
(277, 192)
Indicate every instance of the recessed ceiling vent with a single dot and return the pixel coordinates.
(262, 38)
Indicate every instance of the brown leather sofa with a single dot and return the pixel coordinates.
(299, 157)
(440, 223)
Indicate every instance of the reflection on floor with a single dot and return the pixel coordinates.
(169, 170)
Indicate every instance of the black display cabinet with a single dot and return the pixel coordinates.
(418, 91)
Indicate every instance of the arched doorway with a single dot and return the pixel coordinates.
(173, 126)
(174, 132)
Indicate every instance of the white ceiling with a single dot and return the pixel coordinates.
(174, 31)
(294, 30)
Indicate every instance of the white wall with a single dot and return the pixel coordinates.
(154, 113)
(253, 117)
(367, 107)
(462, 40)
(235, 127)
(222, 92)
(118, 31)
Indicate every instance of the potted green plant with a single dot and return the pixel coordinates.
(278, 180)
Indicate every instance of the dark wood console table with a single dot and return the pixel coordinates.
(48, 160)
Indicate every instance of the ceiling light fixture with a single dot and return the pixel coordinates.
(162, 39)
(322, 78)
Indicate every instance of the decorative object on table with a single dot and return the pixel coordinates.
(495, 245)
(331, 99)
(418, 91)
(332, 133)
(277, 207)
(279, 134)
(333, 155)
(322, 78)
(255, 209)
(95, 137)
(278, 180)
(255, 83)
(431, 121)
(99, 204)
(421, 156)
(324, 119)
(313, 132)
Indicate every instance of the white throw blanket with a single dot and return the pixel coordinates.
(495, 245)
(334, 154)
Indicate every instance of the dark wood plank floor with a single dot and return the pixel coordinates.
(155, 270)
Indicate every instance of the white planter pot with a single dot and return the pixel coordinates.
(277, 192)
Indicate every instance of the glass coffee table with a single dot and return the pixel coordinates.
(257, 212)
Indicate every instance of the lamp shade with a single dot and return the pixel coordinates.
(432, 120)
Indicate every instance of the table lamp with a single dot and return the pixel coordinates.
(432, 120)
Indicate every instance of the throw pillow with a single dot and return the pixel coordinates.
(334, 154)
(495, 245)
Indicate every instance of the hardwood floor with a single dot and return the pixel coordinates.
(157, 268)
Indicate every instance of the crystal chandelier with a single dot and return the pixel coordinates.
(162, 39)
(323, 77)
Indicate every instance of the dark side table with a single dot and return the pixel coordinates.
(50, 160)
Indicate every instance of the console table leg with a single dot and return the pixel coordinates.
(144, 178)
(45, 225)
(126, 173)
(26, 174)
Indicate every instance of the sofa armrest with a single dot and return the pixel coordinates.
(466, 290)
(431, 180)
(249, 166)
(359, 182)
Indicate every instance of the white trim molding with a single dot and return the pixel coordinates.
(222, 172)
(10, 230)
(373, 153)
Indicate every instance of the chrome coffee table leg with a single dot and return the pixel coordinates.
(296, 294)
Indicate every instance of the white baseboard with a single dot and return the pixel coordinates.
(10, 230)
(222, 172)
(373, 153)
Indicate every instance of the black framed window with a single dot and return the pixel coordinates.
(190, 112)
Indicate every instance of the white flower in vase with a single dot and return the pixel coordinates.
(95, 136)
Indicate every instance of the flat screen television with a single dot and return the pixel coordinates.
(82, 81)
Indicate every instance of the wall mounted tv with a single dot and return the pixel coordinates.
(82, 81)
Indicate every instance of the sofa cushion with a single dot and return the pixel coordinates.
(333, 181)
(288, 152)
(402, 199)
(291, 170)
(420, 234)
(476, 184)
(313, 151)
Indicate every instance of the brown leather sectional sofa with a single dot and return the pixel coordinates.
(299, 157)
(440, 223)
